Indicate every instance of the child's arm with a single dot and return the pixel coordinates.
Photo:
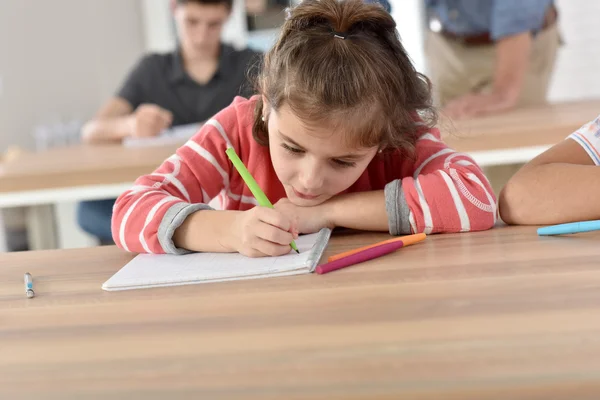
(447, 192)
(363, 211)
(146, 216)
(167, 211)
(116, 121)
(257, 232)
(558, 186)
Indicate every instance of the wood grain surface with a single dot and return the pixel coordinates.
(79, 166)
(524, 127)
(502, 314)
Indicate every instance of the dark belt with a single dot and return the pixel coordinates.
(482, 39)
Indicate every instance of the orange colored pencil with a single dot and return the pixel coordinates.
(407, 240)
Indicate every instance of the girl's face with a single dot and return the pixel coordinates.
(312, 163)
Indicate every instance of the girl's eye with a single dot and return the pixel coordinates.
(292, 150)
(344, 164)
(337, 163)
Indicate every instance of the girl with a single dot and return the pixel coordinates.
(559, 185)
(339, 135)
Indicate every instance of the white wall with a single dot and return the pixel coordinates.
(159, 35)
(62, 59)
(577, 74)
(236, 30)
(410, 21)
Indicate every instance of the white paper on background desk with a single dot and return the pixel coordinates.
(174, 135)
(151, 270)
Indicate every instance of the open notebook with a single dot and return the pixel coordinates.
(149, 270)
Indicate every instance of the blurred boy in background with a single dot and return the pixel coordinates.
(186, 86)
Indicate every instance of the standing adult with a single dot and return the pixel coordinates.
(488, 56)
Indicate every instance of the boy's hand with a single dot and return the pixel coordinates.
(150, 120)
(262, 231)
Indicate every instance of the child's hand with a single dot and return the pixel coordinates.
(263, 232)
(307, 219)
(150, 120)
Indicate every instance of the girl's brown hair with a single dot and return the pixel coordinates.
(341, 63)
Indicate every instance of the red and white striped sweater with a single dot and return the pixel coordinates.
(438, 191)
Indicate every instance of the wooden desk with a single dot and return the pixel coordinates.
(68, 173)
(520, 135)
(501, 314)
(50, 183)
(496, 139)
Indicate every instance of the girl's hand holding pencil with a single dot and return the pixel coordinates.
(263, 231)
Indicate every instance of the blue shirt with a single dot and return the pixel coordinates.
(384, 3)
(498, 17)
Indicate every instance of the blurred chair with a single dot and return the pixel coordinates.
(3, 242)
(57, 134)
(44, 226)
(61, 218)
(13, 235)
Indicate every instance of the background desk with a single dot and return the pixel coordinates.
(501, 314)
(75, 173)
(517, 136)
(64, 176)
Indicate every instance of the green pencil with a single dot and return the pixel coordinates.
(259, 195)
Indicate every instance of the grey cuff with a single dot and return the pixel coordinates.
(397, 208)
(172, 219)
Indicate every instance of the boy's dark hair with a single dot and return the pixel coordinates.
(341, 63)
(228, 3)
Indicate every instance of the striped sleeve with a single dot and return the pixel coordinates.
(588, 137)
(146, 216)
(446, 192)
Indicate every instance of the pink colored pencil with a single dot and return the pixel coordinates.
(356, 258)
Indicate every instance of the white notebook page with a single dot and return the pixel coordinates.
(148, 270)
